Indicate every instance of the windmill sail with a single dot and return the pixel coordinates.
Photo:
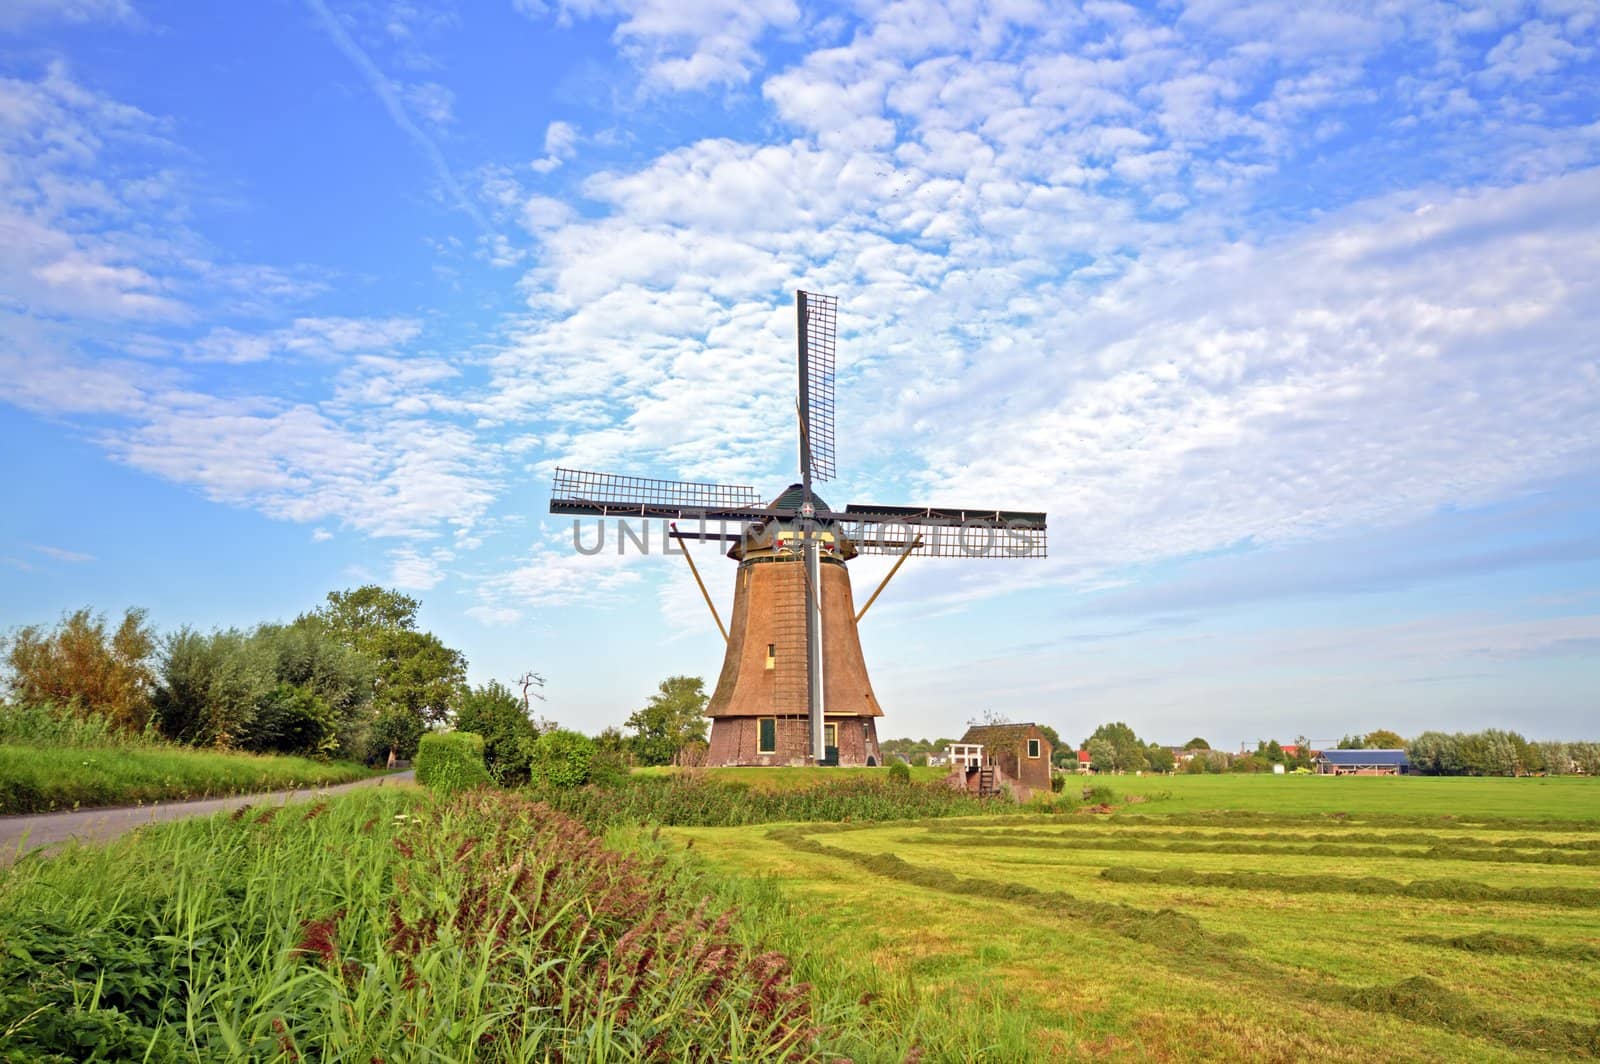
(586, 494)
(818, 330)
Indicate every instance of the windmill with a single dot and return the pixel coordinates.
(794, 686)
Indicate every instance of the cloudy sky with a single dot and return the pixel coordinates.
(1288, 314)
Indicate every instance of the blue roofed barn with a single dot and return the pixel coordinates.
(1363, 763)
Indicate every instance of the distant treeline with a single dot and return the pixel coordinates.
(1499, 753)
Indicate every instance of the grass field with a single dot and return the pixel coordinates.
(1330, 919)
(42, 779)
(1565, 797)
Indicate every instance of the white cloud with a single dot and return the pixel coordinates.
(62, 555)
(320, 535)
(493, 616)
(560, 144)
(685, 46)
(21, 14)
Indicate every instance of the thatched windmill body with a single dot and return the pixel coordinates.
(794, 687)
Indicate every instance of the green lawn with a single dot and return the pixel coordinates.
(1057, 938)
(38, 779)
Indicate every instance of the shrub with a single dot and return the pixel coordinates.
(899, 772)
(1099, 795)
(451, 761)
(561, 758)
(493, 712)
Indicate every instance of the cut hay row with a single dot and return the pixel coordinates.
(1184, 943)
(1276, 847)
(1286, 883)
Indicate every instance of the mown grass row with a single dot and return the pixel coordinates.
(1191, 948)
(385, 927)
(1392, 838)
(1277, 847)
(37, 779)
(1290, 883)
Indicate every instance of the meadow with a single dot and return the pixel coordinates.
(42, 779)
(1222, 918)
(1210, 918)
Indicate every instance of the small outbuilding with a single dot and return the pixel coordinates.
(1363, 763)
(1011, 755)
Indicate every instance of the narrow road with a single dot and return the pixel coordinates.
(33, 831)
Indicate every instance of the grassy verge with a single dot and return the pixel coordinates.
(787, 778)
(40, 780)
(692, 798)
(386, 925)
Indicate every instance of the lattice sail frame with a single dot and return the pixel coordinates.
(820, 339)
(578, 491)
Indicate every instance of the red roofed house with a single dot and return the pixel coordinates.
(1085, 766)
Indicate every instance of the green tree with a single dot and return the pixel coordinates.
(83, 664)
(418, 680)
(1102, 755)
(1196, 743)
(673, 718)
(1159, 758)
(207, 687)
(291, 720)
(1128, 752)
(500, 716)
(1383, 739)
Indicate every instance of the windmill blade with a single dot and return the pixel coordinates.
(818, 331)
(614, 495)
(945, 532)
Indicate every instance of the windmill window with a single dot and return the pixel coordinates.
(772, 655)
(830, 735)
(767, 735)
(1033, 748)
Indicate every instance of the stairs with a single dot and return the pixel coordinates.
(986, 782)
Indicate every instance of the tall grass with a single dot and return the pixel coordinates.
(385, 926)
(36, 779)
(691, 801)
(51, 726)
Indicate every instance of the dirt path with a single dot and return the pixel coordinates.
(33, 831)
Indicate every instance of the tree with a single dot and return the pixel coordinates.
(1383, 739)
(208, 686)
(1196, 743)
(1102, 755)
(671, 719)
(291, 720)
(495, 712)
(84, 665)
(1159, 758)
(1128, 752)
(418, 682)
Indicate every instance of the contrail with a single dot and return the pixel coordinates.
(391, 103)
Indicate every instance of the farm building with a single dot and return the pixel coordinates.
(1085, 763)
(992, 756)
(1363, 763)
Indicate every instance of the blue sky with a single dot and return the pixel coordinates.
(1287, 315)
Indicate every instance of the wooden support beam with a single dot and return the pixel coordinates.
(697, 581)
(913, 545)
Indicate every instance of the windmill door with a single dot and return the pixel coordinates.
(830, 744)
